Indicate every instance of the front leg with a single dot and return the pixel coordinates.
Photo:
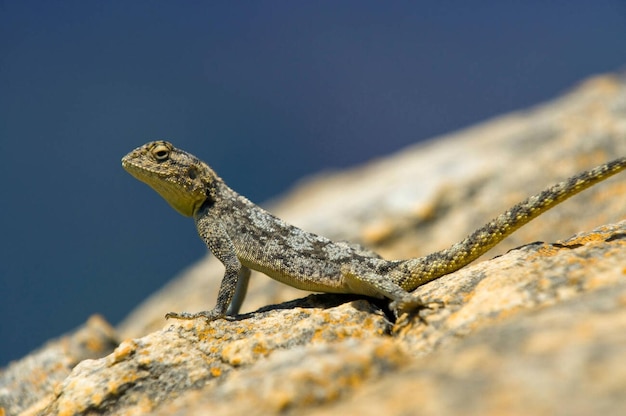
(240, 292)
(220, 244)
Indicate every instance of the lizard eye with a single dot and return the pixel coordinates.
(192, 173)
(161, 152)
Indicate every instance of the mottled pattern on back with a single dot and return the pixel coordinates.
(289, 254)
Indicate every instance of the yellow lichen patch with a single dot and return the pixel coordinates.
(216, 371)
(123, 351)
(113, 386)
(340, 332)
(586, 239)
(178, 358)
(143, 357)
(195, 325)
(242, 352)
(260, 349)
(368, 325)
(545, 250)
(205, 332)
(90, 393)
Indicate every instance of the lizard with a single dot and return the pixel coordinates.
(244, 236)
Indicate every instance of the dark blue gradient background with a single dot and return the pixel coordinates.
(265, 91)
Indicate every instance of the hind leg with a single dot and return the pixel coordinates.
(372, 284)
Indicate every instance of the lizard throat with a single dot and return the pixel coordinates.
(184, 201)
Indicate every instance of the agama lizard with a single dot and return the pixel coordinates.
(244, 236)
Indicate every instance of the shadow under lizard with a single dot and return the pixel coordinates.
(244, 236)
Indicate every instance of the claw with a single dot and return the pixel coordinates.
(409, 303)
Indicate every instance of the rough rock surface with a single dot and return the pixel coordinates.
(563, 359)
(31, 382)
(540, 329)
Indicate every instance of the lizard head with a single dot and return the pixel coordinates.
(179, 177)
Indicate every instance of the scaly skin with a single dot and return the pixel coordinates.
(244, 236)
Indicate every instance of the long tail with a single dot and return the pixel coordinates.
(424, 269)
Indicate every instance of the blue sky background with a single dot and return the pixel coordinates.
(265, 91)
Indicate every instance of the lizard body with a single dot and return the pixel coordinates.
(244, 236)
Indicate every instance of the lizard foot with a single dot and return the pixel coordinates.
(209, 316)
(410, 303)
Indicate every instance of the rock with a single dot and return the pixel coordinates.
(191, 355)
(566, 358)
(524, 331)
(31, 381)
(537, 329)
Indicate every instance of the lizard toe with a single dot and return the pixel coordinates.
(208, 316)
(406, 304)
(410, 303)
